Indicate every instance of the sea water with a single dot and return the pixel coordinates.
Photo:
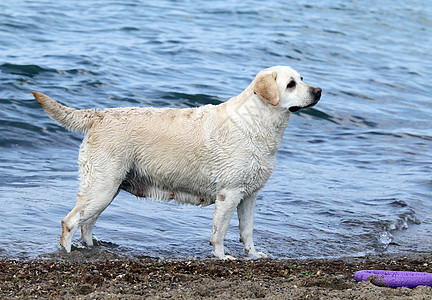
(353, 174)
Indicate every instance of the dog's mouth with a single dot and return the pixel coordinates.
(297, 108)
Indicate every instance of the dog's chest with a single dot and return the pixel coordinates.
(256, 172)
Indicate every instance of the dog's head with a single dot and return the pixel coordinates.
(283, 87)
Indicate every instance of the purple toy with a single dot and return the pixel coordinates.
(394, 278)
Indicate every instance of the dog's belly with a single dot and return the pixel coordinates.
(145, 188)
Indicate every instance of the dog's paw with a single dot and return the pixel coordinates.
(223, 256)
(258, 255)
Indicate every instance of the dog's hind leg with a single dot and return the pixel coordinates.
(225, 205)
(245, 212)
(87, 230)
(100, 183)
(88, 225)
(90, 204)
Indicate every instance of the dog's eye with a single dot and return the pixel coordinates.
(291, 84)
(301, 78)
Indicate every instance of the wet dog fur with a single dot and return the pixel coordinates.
(215, 154)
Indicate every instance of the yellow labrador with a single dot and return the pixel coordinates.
(214, 154)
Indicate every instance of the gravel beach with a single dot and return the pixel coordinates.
(151, 278)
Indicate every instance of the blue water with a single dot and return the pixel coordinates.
(353, 175)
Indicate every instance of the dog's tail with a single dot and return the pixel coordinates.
(72, 119)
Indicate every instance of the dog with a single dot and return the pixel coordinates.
(214, 154)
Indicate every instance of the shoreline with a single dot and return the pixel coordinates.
(206, 279)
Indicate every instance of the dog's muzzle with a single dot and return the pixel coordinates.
(316, 92)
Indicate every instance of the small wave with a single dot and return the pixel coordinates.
(130, 28)
(398, 135)
(25, 70)
(33, 70)
(77, 72)
(386, 236)
(334, 32)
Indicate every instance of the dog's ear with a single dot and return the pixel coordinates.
(266, 88)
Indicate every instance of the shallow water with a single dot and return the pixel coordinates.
(353, 174)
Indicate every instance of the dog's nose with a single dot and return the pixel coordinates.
(317, 93)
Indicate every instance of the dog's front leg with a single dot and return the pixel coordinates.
(226, 203)
(245, 212)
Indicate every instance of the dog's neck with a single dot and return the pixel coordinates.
(263, 123)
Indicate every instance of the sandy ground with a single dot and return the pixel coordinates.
(119, 278)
